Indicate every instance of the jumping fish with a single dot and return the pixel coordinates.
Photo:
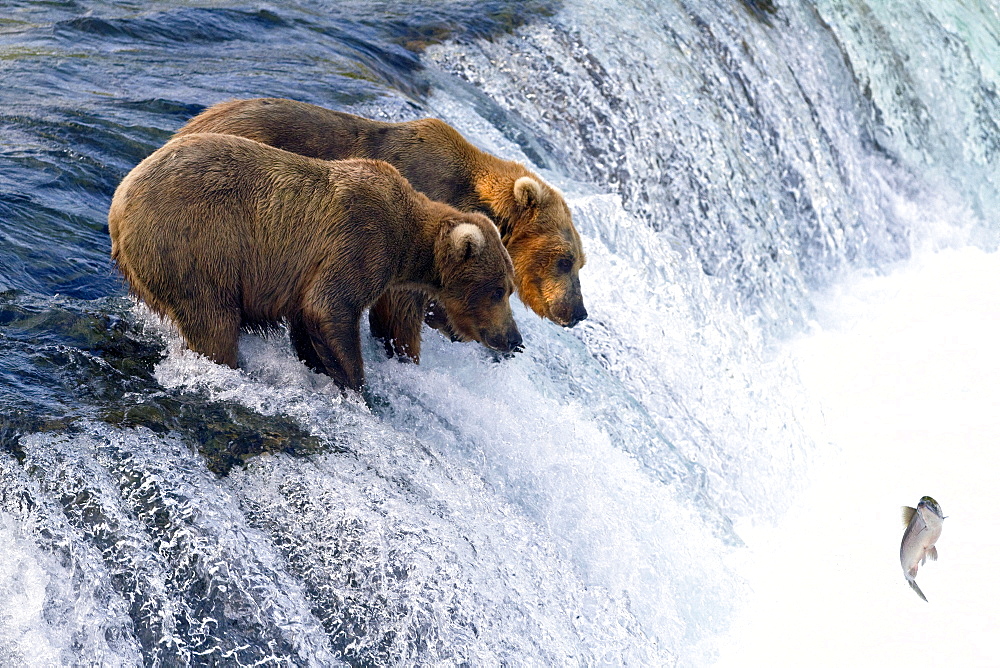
(923, 528)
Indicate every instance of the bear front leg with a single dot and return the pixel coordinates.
(396, 319)
(336, 342)
(437, 318)
(302, 342)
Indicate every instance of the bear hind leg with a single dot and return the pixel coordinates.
(215, 335)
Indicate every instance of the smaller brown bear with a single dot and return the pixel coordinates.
(220, 233)
(534, 220)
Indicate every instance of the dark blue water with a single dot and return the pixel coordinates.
(572, 506)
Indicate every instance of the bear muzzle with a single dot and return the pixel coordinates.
(568, 315)
(505, 342)
(579, 313)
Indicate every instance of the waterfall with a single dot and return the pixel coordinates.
(724, 162)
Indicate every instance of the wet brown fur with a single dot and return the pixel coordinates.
(533, 219)
(219, 233)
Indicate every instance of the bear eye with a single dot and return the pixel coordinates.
(564, 265)
(497, 295)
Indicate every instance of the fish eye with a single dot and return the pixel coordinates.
(564, 265)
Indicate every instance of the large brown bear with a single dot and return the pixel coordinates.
(220, 232)
(534, 221)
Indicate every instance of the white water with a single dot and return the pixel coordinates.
(907, 370)
(543, 466)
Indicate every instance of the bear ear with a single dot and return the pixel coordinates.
(466, 240)
(528, 192)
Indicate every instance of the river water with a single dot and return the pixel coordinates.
(589, 502)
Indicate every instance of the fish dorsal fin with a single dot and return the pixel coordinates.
(908, 514)
(932, 552)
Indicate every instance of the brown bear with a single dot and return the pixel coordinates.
(534, 221)
(219, 233)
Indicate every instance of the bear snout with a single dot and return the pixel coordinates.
(579, 313)
(514, 340)
(505, 342)
(569, 314)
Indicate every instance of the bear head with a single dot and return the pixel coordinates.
(547, 254)
(477, 279)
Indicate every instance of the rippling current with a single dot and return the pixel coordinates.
(723, 160)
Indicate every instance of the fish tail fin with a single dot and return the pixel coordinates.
(913, 584)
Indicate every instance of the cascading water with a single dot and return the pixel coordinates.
(571, 506)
